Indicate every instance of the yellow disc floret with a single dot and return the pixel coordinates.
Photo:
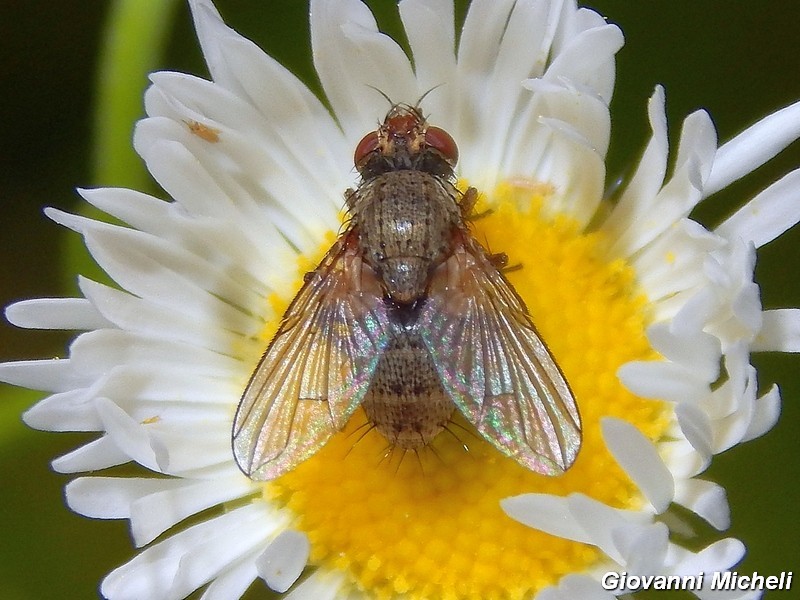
(429, 524)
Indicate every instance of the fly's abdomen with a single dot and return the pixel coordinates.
(405, 401)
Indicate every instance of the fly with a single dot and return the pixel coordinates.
(409, 317)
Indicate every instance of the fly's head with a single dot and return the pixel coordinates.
(405, 141)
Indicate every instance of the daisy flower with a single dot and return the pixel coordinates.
(652, 317)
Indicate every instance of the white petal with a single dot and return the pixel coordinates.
(476, 121)
(200, 179)
(491, 114)
(294, 115)
(544, 512)
(482, 34)
(753, 147)
(698, 144)
(746, 309)
(640, 460)
(53, 375)
(731, 429)
(210, 28)
(135, 385)
(706, 499)
(727, 398)
(719, 556)
(105, 241)
(600, 521)
(131, 437)
(197, 452)
(154, 513)
(579, 189)
(141, 211)
(233, 582)
(282, 129)
(587, 115)
(694, 307)
(219, 241)
(643, 547)
(284, 560)
(319, 586)
(99, 351)
(683, 459)
(573, 587)
(134, 314)
(681, 193)
(780, 331)
(99, 454)
(547, 143)
(587, 59)
(197, 182)
(111, 497)
(429, 25)
(694, 350)
(696, 426)
(67, 411)
(729, 594)
(672, 264)
(649, 176)
(662, 380)
(765, 415)
(350, 56)
(180, 564)
(768, 215)
(55, 313)
(152, 505)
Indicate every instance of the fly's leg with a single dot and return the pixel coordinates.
(500, 262)
(467, 206)
(467, 203)
(350, 199)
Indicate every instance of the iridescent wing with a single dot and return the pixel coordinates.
(494, 365)
(315, 371)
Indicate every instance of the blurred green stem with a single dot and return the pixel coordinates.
(133, 43)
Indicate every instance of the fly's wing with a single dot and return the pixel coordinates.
(314, 373)
(494, 365)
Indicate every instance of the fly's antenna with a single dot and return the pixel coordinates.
(411, 107)
(421, 98)
(393, 105)
(382, 93)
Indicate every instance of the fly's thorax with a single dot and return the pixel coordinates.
(406, 222)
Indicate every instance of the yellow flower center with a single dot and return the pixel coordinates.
(429, 525)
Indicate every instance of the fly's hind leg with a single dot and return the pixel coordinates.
(499, 261)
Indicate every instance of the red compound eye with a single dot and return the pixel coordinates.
(442, 142)
(367, 145)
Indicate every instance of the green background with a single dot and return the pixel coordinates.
(738, 60)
